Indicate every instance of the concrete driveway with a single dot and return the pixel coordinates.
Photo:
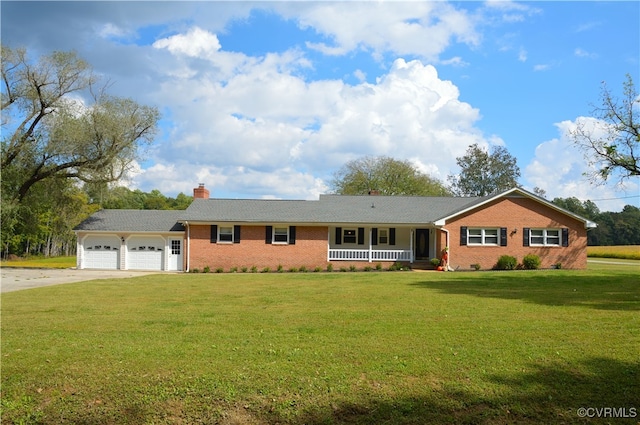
(18, 279)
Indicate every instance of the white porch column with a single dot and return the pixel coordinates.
(370, 246)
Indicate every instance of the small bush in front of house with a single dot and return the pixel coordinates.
(233, 270)
(244, 269)
(317, 269)
(343, 269)
(293, 270)
(379, 267)
(367, 268)
(353, 268)
(196, 270)
(219, 270)
(254, 269)
(329, 267)
(303, 269)
(266, 270)
(435, 262)
(206, 269)
(507, 262)
(476, 266)
(531, 262)
(280, 269)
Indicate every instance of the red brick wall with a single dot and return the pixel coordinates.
(517, 213)
(310, 251)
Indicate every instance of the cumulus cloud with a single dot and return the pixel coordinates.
(558, 167)
(269, 131)
(425, 29)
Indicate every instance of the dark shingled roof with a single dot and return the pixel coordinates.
(328, 209)
(133, 221)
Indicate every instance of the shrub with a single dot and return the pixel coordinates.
(266, 270)
(244, 269)
(206, 269)
(368, 268)
(379, 266)
(233, 270)
(293, 270)
(219, 270)
(435, 262)
(196, 270)
(507, 262)
(317, 269)
(280, 268)
(531, 262)
(329, 267)
(254, 269)
(303, 269)
(475, 266)
(353, 268)
(343, 269)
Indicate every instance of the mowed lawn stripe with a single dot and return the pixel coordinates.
(487, 347)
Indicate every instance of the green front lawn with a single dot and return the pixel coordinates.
(319, 348)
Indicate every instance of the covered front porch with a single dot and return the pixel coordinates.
(373, 244)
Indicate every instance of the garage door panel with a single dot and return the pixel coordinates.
(145, 253)
(101, 252)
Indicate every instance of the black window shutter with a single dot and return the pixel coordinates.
(292, 235)
(268, 237)
(525, 236)
(565, 236)
(236, 234)
(214, 233)
(338, 235)
(392, 236)
(374, 236)
(503, 236)
(463, 235)
(360, 235)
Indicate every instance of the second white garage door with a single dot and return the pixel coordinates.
(145, 253)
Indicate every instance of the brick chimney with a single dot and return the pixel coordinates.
(200, 192)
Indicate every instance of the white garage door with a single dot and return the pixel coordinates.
(101, 252)
(145, 253)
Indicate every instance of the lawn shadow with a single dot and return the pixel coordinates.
(615, 292)
(551, 393)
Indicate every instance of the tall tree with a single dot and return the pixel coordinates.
(49, 133)
(484, 173)
(385, 175)
(612, 143)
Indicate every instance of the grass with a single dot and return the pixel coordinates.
(42, 262)
(522, 347)
(626, 252)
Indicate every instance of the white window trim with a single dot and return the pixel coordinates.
(220, 232)
(545, 237)
(273, 236)
(483, 236)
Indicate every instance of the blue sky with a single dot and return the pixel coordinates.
(269, 99)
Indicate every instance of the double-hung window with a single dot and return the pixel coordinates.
(225, 234)
(544, 237)
(482, 236)
(383, 236)
(349, 236)
(281, 235)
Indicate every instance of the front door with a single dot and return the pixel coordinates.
(175, 254)
(422, 244)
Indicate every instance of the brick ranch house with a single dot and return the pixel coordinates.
(335, 229)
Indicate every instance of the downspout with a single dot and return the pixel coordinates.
(188, 244)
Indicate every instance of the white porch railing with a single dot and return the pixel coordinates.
(376, 254)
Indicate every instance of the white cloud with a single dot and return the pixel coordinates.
(425, 29)
(558, 167)
(581, 53)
